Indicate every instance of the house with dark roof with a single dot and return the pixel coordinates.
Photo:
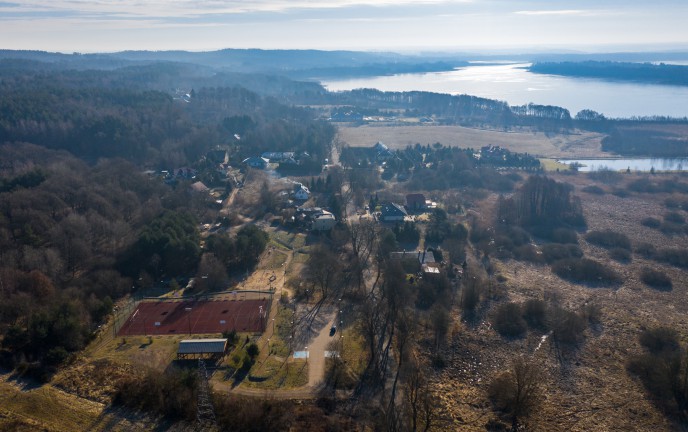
(415, 202)
(256, 162)
(393, 213)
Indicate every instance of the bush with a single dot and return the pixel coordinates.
(677, 257)
(671, 228)
(620, 255)
(564, 235)
(646, 250)
(567, 327)
(593, 189)
(535, 314)
(621, 193)
(651, 222)
(508, 320)
(660, 340)
(655, 279)
(608, 239)
(528, 253)
(554, 252)
(675, 217)
(662, 369)
(585, 270)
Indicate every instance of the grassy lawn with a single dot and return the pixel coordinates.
(289, 240)
(45, 408)
(275, 373)
(273, 261)
(553, 165)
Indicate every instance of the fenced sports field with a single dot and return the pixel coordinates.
(204, 316)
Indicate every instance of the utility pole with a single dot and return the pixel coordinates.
(205, 414)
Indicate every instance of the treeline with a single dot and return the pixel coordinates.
(646, 141)
(123, 113)
(618, 71)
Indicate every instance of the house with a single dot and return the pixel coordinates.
(382, 152)
(184, 172)
(256, 162)
(278, 157)
(415, 202)
(301, 192)
(323, 221)
(393, 212)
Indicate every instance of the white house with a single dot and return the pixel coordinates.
(324, 221)
(301, 192)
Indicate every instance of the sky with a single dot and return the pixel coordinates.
(374, 25)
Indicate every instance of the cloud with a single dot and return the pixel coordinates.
(186, 8)
(566, 12)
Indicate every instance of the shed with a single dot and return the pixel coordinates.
(201, 348)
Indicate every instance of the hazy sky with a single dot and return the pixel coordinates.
(399, 25)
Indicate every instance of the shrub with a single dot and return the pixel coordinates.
(593, 189)
(646, 250)
(655, 279)
(554, 252)
(676, 256)
(583, 270)
(671, 228)
(567, 327)
(662, 369)
(620, 254)
(508, 320)
(252, 350)
(659, 340)
(651, 222)
(675, 217)
(528, 253)
(535, 313)
(564, 235)
(608, 239)
(621, 193)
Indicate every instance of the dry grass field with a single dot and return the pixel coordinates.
(576, 144)
(587, 388)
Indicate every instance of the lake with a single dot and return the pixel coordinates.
(635, 164)
(514, 84)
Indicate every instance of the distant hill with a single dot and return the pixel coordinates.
(639, 72)
(302, 64)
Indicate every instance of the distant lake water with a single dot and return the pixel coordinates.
(639, 164)
(515, 85)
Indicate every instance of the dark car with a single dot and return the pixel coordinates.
(333, 330)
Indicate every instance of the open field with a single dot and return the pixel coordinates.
(578, 144)
(587, 387)
(196, 317)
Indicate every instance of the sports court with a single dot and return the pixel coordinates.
(196, 317)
